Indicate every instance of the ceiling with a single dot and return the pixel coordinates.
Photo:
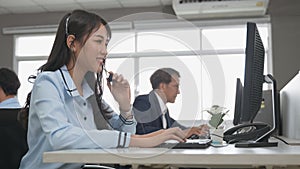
(37, 6)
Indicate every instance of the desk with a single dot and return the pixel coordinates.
(283, 155)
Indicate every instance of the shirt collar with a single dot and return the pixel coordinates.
(70, 85)
(10, 103)
(162, 105)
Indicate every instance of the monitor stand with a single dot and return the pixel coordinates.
(263, 140)
(256, 144)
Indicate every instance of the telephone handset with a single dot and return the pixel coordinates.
(246, 132)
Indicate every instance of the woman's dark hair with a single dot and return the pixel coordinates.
(79, 23)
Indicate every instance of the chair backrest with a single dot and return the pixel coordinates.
(13, 141)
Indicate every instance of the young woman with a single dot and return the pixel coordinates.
(66, 106)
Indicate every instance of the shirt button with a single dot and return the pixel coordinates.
(84, 118)
(84, 103)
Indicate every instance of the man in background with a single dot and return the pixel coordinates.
(9, 85)
(151, 111)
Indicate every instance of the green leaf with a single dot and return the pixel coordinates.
(216, 120)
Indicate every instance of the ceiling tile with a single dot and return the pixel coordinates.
(62, 7)
(32, 6)
(3, 11)
(139, 3)
(103, 4)
(53, 2)
(14, 3)
(26, 9)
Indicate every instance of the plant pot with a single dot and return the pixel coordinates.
(216, 135)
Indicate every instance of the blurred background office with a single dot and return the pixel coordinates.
(209, 51)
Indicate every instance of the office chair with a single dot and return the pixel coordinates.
(13, 142)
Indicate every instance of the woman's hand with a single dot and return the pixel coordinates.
(174, 133)
(158, 137)
(120, 89)
(201, 130)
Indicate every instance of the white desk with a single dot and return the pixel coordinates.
(283, 155)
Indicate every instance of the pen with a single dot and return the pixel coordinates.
(109, 78)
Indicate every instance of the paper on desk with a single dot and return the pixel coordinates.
(190, 141)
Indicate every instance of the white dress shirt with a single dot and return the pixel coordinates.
(164, 110)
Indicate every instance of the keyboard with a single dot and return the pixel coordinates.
(189, 144)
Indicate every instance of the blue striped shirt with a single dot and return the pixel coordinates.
(60, 119)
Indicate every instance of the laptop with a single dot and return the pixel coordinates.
(189, 144)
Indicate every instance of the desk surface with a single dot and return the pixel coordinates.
(283, 155)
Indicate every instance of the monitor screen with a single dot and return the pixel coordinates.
(247, 133)
(249, 97)
(238, 102)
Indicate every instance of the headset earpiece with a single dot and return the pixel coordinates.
(70, 41)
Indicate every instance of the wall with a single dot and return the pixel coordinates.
(6, 41)
(285, 17)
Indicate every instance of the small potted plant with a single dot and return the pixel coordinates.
(216, 131)
(217, 113)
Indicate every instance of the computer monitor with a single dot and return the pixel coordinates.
(238, 102)
(249, 97)
(254, 75)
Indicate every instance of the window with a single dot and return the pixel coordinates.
(31, 51)
(26, 69)
(209, 59)
(168, 40)
(33, 45)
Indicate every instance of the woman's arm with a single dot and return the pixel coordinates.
(149, 134)
(156, 138)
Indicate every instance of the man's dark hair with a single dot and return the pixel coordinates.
(163, 75)
(9, 81)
